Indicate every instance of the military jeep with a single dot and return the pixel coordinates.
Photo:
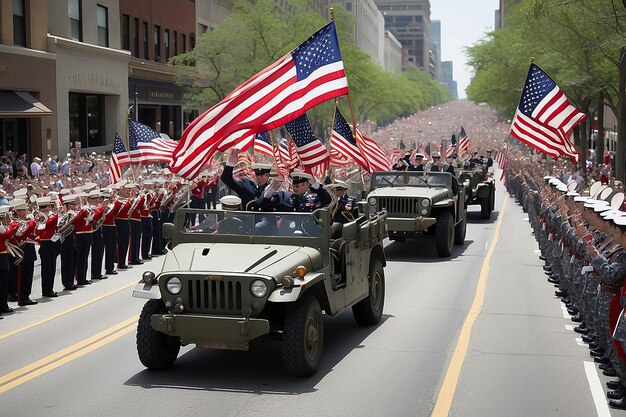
(480, 188)
(420, 204)
(239, 277)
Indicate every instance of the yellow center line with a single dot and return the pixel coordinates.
(448, 388)
(33, 370)
(62, 313)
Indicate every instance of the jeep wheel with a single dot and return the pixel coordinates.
(444, 234)
(156, 350)
(460, 230)
(369, 310)
(485, 212)
(492, 198)
(303, 337)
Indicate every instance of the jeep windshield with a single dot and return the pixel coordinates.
(245, 223)
(412, 179)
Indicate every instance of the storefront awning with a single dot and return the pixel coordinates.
(21, 104)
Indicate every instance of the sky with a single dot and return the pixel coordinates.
(463, 23)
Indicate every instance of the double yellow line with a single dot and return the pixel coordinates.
(40, 367)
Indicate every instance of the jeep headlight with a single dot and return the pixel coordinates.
(258, 288)
(371, 201)
(174, 285)
(425, 202)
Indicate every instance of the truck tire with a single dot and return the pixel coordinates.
(460, 230)
(369, 310)
(444, 234)
(303, 337)
(156, 350)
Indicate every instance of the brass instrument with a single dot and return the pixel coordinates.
(65, 226)
(182, 198)
(107, 210)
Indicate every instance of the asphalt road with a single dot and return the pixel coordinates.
(76, 356)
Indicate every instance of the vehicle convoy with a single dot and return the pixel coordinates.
(238, 277)
(419, 204)
(480, 188)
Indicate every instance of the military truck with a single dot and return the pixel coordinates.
(421, 204)
(239, 277)
(480, 188)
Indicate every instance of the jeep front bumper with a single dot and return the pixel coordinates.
(211, 331)
(413, 224)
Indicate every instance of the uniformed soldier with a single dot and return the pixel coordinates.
(49, 244)
(146, 220)
(24, 238)
(135, 224)
(96, 202)
(307, 196)
(435, 164)
(419, 163)
(247, 189)
(109, 233)
(7, 230)
(345, 209)
(122, 225)
(82, 240)
(155, 212)
(68, 243)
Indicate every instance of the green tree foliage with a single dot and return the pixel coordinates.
(257, 33)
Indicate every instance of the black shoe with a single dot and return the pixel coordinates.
(543, 258)
(581, 330)
(124, 267)
(609, 372)
(598, 353)
(547, 268)
(136, 263)
(601, 359)
(146, 258)
(50, 294)
(12, 297)
(621, 403)
(565, 300)
(83, 283)
(606, 366)
(614, 384)
(5, 310)
(100, 277)
(576, 318)
(572, 311)
(553, 280)
(71, 288)
(588, 339)
(616, 394)
(27, 302)
(155, 255)
(111, 272)
(594, 345)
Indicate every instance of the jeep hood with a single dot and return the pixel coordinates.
(434, 193)
(265, 259)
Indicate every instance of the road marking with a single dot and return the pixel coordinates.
(42, 366)
(602, 408)
(62, 313)
(448, 388)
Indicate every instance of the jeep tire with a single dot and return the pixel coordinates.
(460, 230)
(156, 350)
(369, 310)
(444, 233)
(485, 208)
(303, 337)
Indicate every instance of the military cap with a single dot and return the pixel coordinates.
(19, 193)
(230, 202)
(419, 155)
(166, 171)
(591, 203)
(620, 220)
(4, 210)
(300, 177)
(600, 208)
(105, 193)
(94, 194)
(130, 185)
(89, 186)
(436, 155)
(44, 201)
(580, 199)
(562, 187)
(572, 194)
(148, 182)
(261, 169)
(340, 185)
(17, 204)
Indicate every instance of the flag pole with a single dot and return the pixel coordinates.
(127, 142)
(331, 171)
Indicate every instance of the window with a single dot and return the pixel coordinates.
(19, 23)
(184, 43)
(166, 43)
(146, 53)
(102, 19)
(348, 5)
(175, 43)
(75, 13)
(87, 119)
(126, 32)
(192, 39)
(136, 40)
(157, 43)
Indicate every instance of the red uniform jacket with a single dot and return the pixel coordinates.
(49, 228)
(109, 219)
(123, 212)
(7, 234)
(136, 214)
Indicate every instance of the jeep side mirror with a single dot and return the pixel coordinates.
(168, 231)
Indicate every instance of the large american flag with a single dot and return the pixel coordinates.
(310, 74)
(545, 118)
(373, 153)
(310, 149)
(342, 140)
(463, 143)
(337, 159)
(147, 145)
(263, 144)
(119, 158)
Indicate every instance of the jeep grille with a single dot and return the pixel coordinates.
(408, 206)
(211, 297)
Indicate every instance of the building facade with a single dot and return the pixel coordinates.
(447, 78)
(393, 54)
(435, 48)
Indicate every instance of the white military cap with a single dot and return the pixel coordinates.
(591, 203)
(580, 198)
(562, 187)
(341, 185)
(65, 191)
(17, 203)
(89, 186)
(262, 169)
(620, 220)
(44, 201)
(20, 192)
(94, 194)
(148, 182)
(609, 214)
(300, 177)
(4, 210)
(572, 194)
(599, 208)
(230, 202)
(54, 196)
(129, 185)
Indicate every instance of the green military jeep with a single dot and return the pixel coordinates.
(480, 188)
(240, 276)
(421, 204)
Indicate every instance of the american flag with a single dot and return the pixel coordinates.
(280, 155)
(450, 150)
(344, 142)
(119, 158)
(463, 142)
(336, 158)
(310, 74)
(501, 160)
(147, 145)
(373, 153)
(395, 155)
(263, 144)
(310, 149)
(545, 118)
(293, 158)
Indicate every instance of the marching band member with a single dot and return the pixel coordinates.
(24, 239)
(68, 244)
(146, 220)
(49, 245)
(135, 226)
(7, 230)
(109, 234)
(157, 249)
(122, 226)
(96, 201)
(83, 238)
